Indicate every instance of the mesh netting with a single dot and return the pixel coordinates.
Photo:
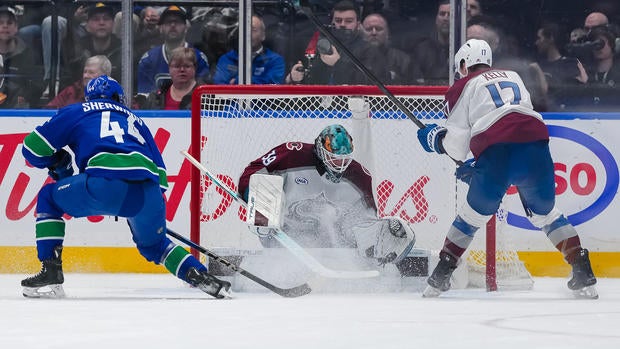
(240, 124)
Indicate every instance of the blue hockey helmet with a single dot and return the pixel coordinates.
(334, 146)
(104, 87)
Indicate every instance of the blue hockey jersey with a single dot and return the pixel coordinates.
(108, 140)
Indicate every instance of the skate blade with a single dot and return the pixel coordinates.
(49, 291)
(431, 292)
(588, 292)
(225, 294)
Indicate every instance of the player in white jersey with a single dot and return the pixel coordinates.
(490, 113)
(328, 198)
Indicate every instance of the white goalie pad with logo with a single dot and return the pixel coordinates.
(265, 200)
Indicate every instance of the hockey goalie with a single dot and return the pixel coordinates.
(320, 197)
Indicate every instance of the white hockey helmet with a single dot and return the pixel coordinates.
(474, 51)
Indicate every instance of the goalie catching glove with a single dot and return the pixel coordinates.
(389, 240)
(62, 165)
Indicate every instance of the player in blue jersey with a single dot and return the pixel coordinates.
(121, 173)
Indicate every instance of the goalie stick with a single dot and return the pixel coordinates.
(290, 244)
(296, 291)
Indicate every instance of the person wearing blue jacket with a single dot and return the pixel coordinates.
(267, 65)
(121, 173)
(153, 65)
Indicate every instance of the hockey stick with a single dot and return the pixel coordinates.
(305, 9)
(296, 291)
(290, 244)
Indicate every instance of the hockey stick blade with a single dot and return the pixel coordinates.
(290, 244)
(296, 291)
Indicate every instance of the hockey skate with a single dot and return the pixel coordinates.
(209, 283)
(582, 278)
(48, 282)
(439, 281)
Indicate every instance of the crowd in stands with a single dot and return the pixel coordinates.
(567, 57)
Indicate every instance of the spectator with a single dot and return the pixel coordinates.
(583, 46)
(10, 93)
(176, 93)
(473, 8)
(576, 34)
(214, 31)
(148, 35)
(94, 67)
(604, 70)
(398, 68)
(431, 52)
(153, 65)
(117, 28)
(595, 19)
(563, 74)
(326, 65)
(71, 27)
(267, 65)
(602, 92)
(18, 64)
(99, 41)
(29, 20)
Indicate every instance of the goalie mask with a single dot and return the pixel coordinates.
(104, 87)
(334, 146)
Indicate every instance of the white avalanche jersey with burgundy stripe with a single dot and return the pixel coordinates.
(488, 107)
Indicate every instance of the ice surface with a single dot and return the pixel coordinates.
(115, 311)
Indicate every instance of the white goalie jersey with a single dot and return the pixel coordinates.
(321, 213)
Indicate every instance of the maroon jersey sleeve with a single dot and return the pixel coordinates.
(283, 157)
(361, 178)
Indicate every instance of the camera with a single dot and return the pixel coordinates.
(584, 46)
(345, 36)
(324, 47)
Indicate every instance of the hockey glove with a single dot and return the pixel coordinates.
(430, 137)
(62, 165)
(395, 242)
(466, 171)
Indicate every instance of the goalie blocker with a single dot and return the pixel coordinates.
(388, 240)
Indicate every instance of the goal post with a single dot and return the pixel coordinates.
(234, 124)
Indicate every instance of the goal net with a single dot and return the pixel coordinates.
(234, 125)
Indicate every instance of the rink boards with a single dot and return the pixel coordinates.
(584, 147)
